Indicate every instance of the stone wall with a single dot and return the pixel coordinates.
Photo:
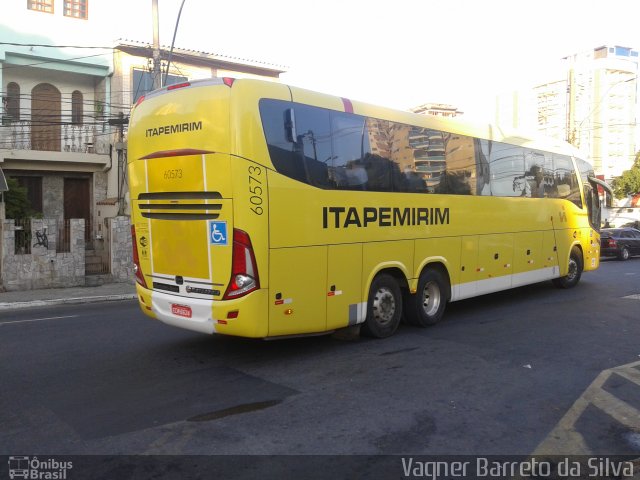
(52, 196)
(100, 180)
(121, 249)
(46, 268)
(43, 267)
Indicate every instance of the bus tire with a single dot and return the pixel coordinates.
(427, 306)
(384, 307)
(574, 272)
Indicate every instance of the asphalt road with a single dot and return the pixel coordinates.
(497, 376)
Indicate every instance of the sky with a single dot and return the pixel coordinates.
(400, 53)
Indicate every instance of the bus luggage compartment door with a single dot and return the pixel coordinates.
(344, 286)
(297, 296)
(495, 262)
(527, 258)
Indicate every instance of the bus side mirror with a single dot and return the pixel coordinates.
(290, 125)
(608, 191)
(608, 202)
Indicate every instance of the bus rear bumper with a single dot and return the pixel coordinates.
(192, 313)
(241, 317)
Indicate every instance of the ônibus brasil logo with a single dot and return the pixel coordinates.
(33, 468)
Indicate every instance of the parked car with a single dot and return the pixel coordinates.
(635, 224)
(619, 242)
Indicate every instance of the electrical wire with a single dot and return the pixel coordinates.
(16, 44)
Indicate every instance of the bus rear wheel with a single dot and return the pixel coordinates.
(384, 307)
(574, 271)
(427, 306)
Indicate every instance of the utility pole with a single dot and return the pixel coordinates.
(120, 122)
(571, 107)
(157, 71)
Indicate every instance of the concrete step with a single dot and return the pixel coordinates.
(96, 280)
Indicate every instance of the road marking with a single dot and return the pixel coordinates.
(565, 437)
(633, 297)
(38, 319)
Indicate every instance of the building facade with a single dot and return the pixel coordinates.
(133, 77)
(66, 96)
(595, 107)
(602, 99)
(53, 138)
(438, 109)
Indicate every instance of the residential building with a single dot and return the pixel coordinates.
(133, 77)
(439, 109)
(66, 96)
(594, 106)
(602, 87)
(53, 138)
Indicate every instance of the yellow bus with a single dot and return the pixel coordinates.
(265, 210)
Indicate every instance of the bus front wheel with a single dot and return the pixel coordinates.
(574, 271)
(427, 306)
(384, 307)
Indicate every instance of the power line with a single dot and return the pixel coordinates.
(12, 67)
(53, 46)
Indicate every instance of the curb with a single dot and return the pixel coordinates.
(62, 301)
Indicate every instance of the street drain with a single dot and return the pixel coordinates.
(238, 409)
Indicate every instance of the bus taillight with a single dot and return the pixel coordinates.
(244, 271)
(136, 259)
(179, 85)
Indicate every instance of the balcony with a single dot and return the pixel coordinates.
(78, 144)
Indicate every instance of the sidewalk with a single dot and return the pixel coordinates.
(57, 296)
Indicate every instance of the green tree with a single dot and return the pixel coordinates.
(629, 182)
(17, 203)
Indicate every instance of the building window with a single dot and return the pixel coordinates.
(143, 83)
(623, 51)
(40, 5)
(76, 108)
(33, 186)
(12, 102)
(76, 8)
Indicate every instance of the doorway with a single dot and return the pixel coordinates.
(77, 203)
(45, 118)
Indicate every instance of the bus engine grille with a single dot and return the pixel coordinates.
(179, 205)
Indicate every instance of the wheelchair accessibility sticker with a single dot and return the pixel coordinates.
(218, 233)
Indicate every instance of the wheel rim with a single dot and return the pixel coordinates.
(573, 269)
(625, 253)
(431, 298)
(384, 306)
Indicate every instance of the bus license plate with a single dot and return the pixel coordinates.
(181, 310)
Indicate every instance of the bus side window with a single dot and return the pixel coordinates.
(304, 158)
(460, 173)
(506, 165)
(274, 115)
(566, 180)
(483, 176)
(313, 143)
(539, 173)
(376, 161)
(350, 141)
